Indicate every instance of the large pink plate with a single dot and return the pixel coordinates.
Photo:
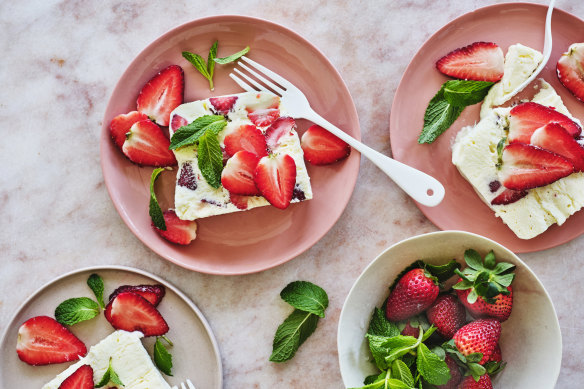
(259, 239)
(504, 24)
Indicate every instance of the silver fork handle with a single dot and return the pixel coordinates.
(420, 186)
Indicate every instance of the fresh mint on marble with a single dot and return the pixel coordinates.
(310, 302)
(76, 310)
(95, 283)
(162, 358)
(207, 69)
(448, 104)
(109, 375)
(154, 209)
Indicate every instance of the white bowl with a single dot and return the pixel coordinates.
(531, 341)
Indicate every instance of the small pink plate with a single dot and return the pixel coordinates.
(195, 351)
(243, 242)
(504, 24)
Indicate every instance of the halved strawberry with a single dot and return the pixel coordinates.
(43, 341)
(121, 125)
(526, 166)
(146, 144)
(275, 177)
(131, 312)
(322, 148)
(152, 293)
(82, 378)
(223, 105)
(570, 70)
(264, 117)
(177, 122)
(509, 196)
(238, 175)
(479, 61)
(556, 139)
(177, 230)
(281, 127)
(238, 200)
(246, 137)
(527, 117)
(162, 94)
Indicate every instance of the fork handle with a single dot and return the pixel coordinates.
(420, 186)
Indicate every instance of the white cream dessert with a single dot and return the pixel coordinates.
(475, 155)
(129, 359)
(195, 198)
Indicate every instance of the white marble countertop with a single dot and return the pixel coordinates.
(60, 63)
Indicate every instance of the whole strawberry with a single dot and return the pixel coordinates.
(447, 314)
(455, 375)
(484, 287)
(479, 336)
(413, 294)
(483, 383)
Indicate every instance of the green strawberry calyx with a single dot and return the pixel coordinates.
(485, 278)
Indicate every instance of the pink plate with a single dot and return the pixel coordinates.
(504, 24)
(244, 242)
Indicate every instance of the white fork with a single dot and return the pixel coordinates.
(420, 186)
(189, 384)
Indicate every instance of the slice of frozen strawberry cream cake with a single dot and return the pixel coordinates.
(236, 153)
(524, 161)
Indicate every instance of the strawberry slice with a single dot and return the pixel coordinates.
(246, 137)
(526, 166)
(121, 124)
(82, 378)
(508, 196)
(275, 177)
(177, 122)
(146, 144)
(152, 293)
(238, 200)
(264, 117)
(131, 312)
(570, 70)
(223, 105)
(162, 94)
(322, 148)
(177, 230)
(528, 117)
(479, 61)
(238, 175)
(556, 139)
(281, 127)
(43, 341)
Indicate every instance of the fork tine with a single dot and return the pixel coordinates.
(274, 76)
(262, 78)
(190, 384)
(251, 80)
(242, 83)
(182, 385)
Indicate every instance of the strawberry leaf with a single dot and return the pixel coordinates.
(232, 57)
(506, 279)
(154, 209)
(75, 310)
(490, 262)
(443, 272)
(473, 259)
(472, 297)
(502, 267)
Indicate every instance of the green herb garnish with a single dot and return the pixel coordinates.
(109, 375)
(154, 210)
(95, 283)
(75, 310)
(162, 358)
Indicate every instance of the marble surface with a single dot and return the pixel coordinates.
(61, 61)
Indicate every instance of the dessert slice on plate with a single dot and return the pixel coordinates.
(262, 157)
(129, 360)
(524, 161)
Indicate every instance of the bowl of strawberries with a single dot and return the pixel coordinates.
(448, 310)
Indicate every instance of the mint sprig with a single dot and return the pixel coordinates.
(210, 158)
(109, 375)
(154, 209)
(95, 283)
(305, 296)
(232, 57)
(445, 107)
(162, 358)
(189, 135)
(76, 310)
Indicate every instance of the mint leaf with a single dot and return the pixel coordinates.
(401, 371)
(75, 310)
(109, 375)
(379, 350)
(232, 57)
(291, 334)
(155, 212)
(428, 333)
(189, 134)
(211, 62)
(95, 283)
(464, 93)
(443, 272)
(500, 147)
(210, 158)
(379, 325)
(439, 116)
(306, 296)
(162, 358)
(431, 367)
(198, 62)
